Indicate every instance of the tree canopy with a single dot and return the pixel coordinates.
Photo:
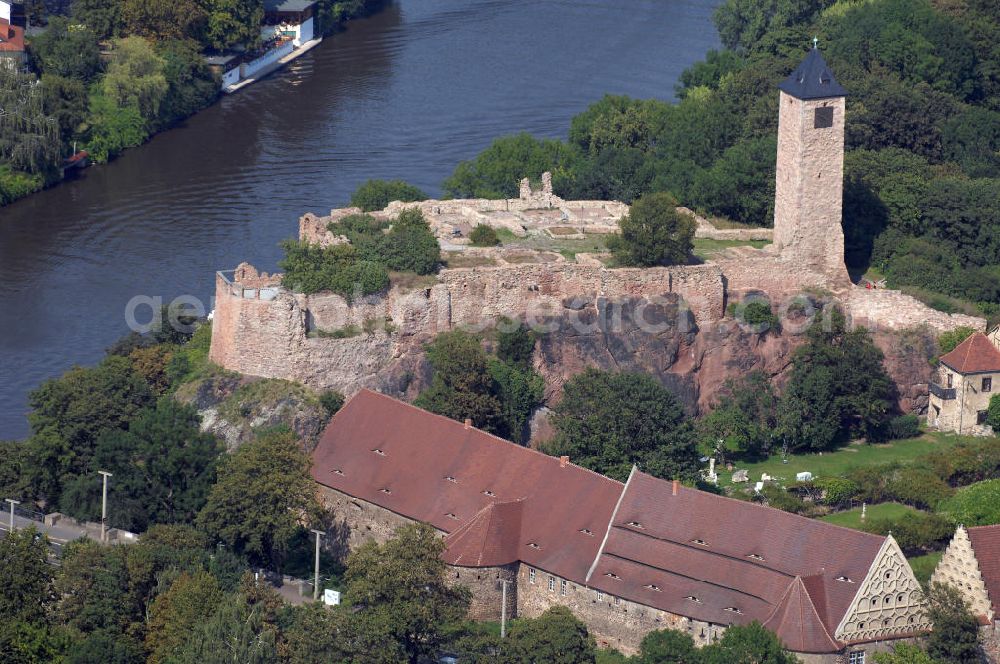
(653, 233)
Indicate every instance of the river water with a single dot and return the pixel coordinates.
(407, 93)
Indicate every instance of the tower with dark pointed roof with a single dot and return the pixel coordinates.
(810, 169)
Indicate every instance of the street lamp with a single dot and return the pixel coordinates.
(104, 505)
(12, 503)
(319, 533)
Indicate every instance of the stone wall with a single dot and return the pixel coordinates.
(809, 186)
(614, 622)
(889, 309)
(486, 585)
(360, 521)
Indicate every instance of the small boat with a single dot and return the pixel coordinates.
(79, 160)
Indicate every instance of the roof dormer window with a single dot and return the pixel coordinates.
(733, 609)
(699, 542)
(451, 478)
(612, 575)
(653, 586)
(338, 471)
(378, 452)
(587, 531)
(489, 493)
(755, 556)
(692, 598)
(452, 515)
(844, 579)
(386, 490)
(533, 545)
(635, 524)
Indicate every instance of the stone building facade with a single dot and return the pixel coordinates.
(628, 558)
(967, 379)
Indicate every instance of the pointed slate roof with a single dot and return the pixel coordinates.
(976, 354)
(490, 539)
(812, 79)
(798, 624)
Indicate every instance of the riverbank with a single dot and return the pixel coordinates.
(184, 85)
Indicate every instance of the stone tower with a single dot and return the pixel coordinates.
(810, 169)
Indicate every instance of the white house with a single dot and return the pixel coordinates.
(290, 18)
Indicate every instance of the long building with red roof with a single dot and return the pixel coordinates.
(626, 558)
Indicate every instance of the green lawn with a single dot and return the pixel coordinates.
(836, 463)
(852, 518)
(705, 247)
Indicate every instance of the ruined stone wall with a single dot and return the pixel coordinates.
(889, 309)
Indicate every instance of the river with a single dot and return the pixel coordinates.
(407, 93)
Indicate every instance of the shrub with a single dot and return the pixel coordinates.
(310, 268)
(331, 401)
(975, 505)
(993, 414)
(409, 246)
(900, 427)
(484, 236)
(947, 341)
(967, 462)
(919, 487)
(377, 194)
(778, 498)
(915, 532)
(837, 491)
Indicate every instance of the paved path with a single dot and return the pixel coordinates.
(58, 534)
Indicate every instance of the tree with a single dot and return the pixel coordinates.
(974, 505)
(235, 632)
(400, 594)
(410, 246)
(747, 644)
(91, 586)
(173, 615)
(66, 50)
(740, 184)
(163, 466)
(496, 172)
(113, 128)
(462, 386)
(609, 421)
(745, 419)
(135, 77)
(620, 122)
(69, 413)
(955, 637)
(653, 233)
(376, 195)
(744, 23)
(25, 576)
(668, 645)
(29, 137)
(520, 391)
(160, 20)
(191, 86)
(838, 387)
(904, 653)
(312, 634)
(262, 494)
(102, 17)
(993, 413)
(556, 636)
(65, 100)
(233, 23)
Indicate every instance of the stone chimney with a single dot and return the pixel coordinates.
(563, 461)
(468, 423)
(676, 487)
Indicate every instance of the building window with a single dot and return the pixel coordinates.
(618, 600)
(552, 584)
(949, 380)
(531, 575)
(823, 119)
(562, 587)
(600, 596)
(981, 417)
(856, 657)
(987, 384)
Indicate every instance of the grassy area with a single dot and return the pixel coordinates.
(923, 566)
(836, 463)
(461, 259)
(852, 518)
(705, 247)
(591, 243)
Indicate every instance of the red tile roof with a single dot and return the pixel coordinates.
(690, 553)
(443, 473)
(729, 554)
(11, 37)
(797, 622)
(976, 354)
(492, 538)
(986, 544)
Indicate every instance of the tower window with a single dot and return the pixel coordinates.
(823, 117)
